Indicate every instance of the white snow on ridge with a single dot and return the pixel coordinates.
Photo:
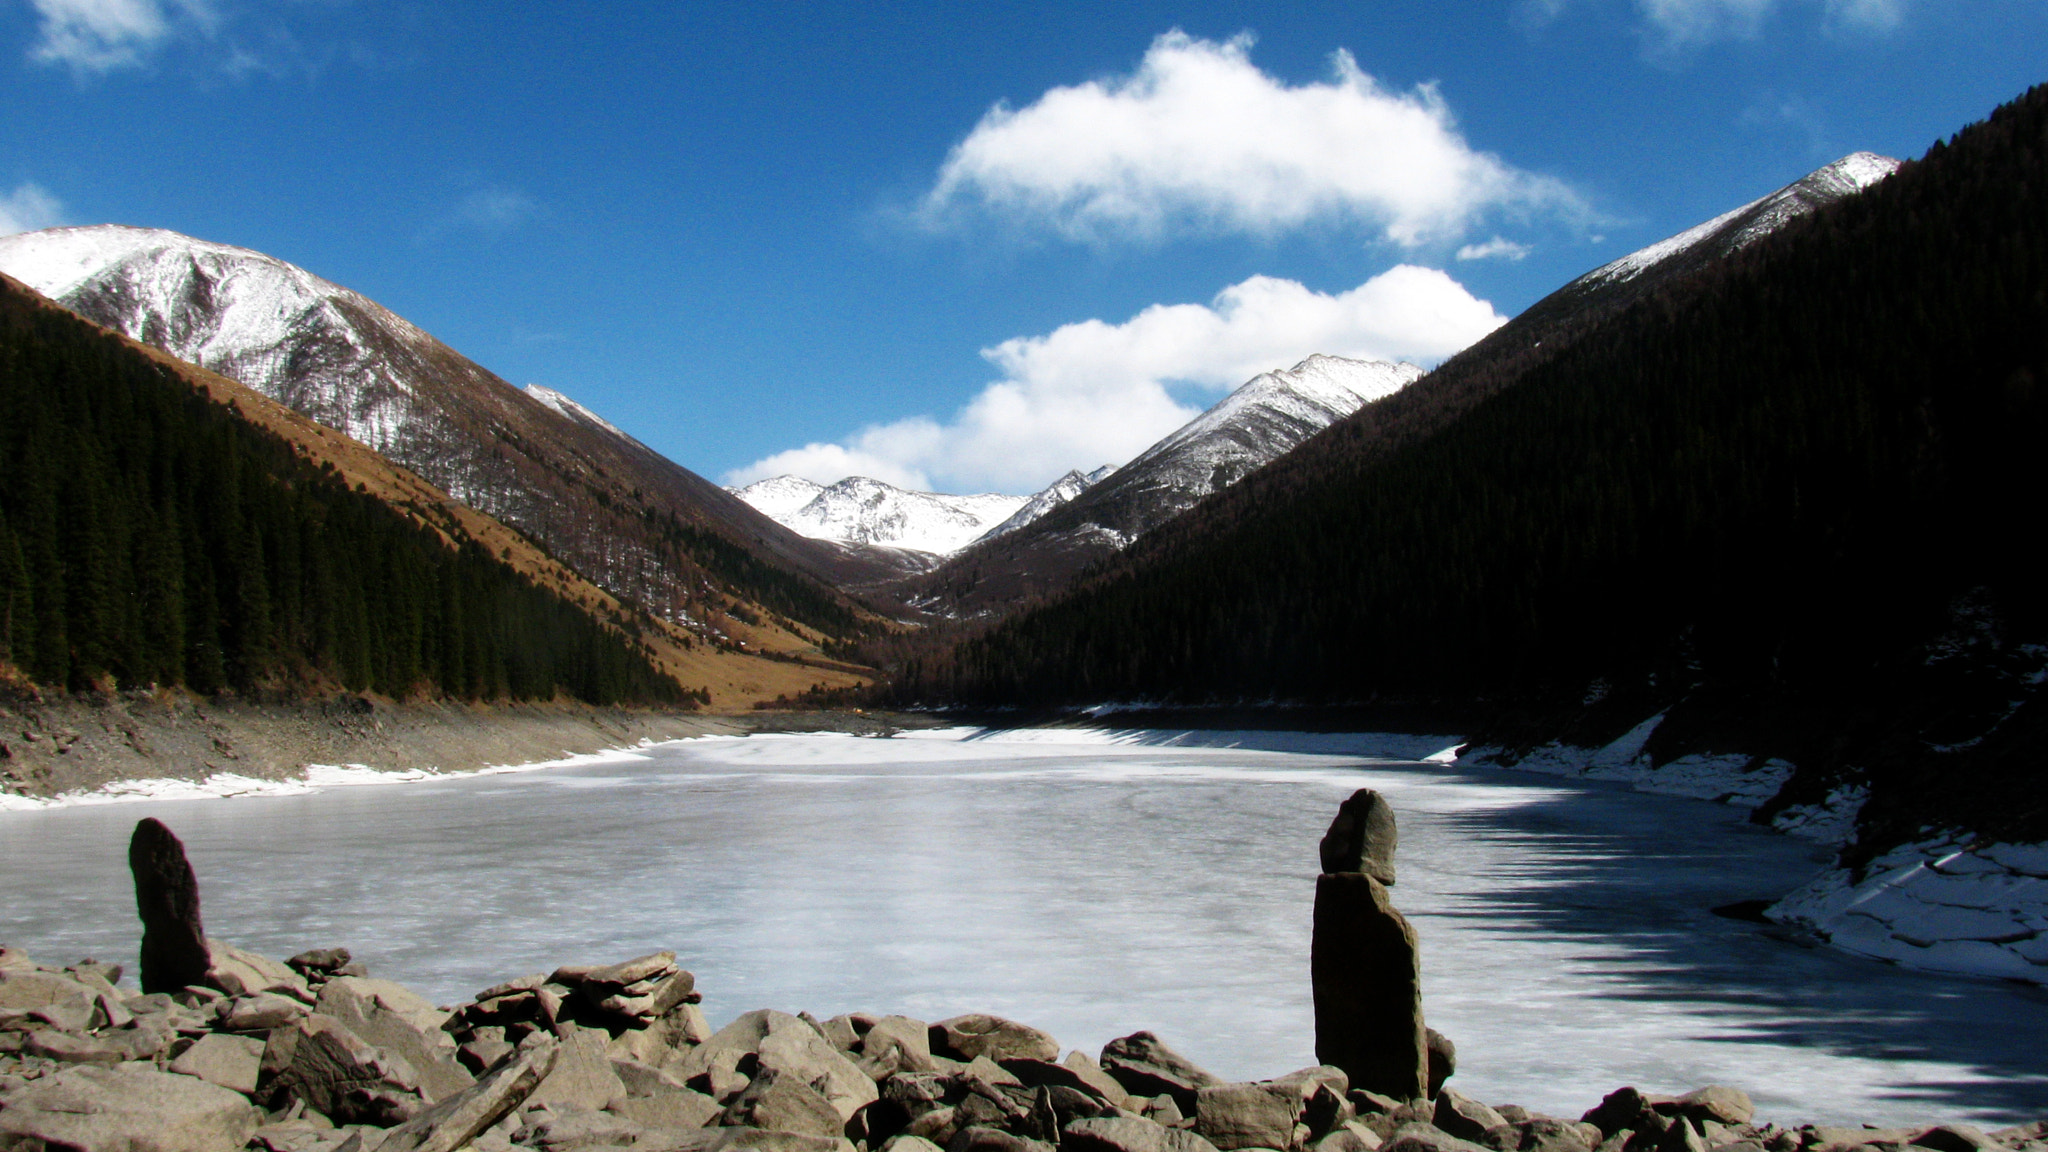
(1055, 494)
(860, 510)
(570, 408)
(1266, 417)
(1851, 173)
(1938, 905)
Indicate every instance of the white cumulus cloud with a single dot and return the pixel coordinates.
(1093, 392)
(28, 208)
(1199, 137)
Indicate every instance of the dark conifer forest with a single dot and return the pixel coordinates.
(149, 535)
(1781, 477)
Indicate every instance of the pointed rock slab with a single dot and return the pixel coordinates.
(398, 1020)
(167, 898)
(1366, 974)
(1362, 837)
(781, 1102)
(240, 973)
(459, 1119)
(1145, 1066)
(126, 1109)
(318, 1060)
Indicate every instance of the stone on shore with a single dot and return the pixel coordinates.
(319, 1062)
(979, 1034)
(582, 1076)
(781, 1101)
(233, 1062)
(1129, 1134)
(174, 952)
(1362, 838)
(400, 1021)
(1464, 1117)
(1716, 1102)
(126, 1109)
(1420, 1137)
(1366, 975)
(1443, 1059)
(1145, 1066)
(457, 1120)
(1233, 1116)
(240, 973)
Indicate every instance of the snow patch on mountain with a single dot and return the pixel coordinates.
(572, 409)
(860, 510)
(1052, 496)
(1263, 419)
(1743, 226)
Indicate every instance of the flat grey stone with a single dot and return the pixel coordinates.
(128, 1109)
(229, 1061)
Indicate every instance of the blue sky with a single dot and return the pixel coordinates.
(959, 245)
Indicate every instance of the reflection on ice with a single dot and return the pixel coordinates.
(1092, 884)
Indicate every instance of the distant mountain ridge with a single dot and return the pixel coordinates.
(632, 521)
(1260, 421)
(859, 510)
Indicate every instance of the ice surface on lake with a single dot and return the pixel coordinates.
(1091, 883)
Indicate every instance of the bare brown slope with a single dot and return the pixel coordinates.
(633, 522)
(766, 660)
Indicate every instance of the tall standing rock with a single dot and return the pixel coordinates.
(167, 898)
(1362, 838)
(1363, 962)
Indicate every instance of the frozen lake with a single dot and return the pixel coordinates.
(1093, 886)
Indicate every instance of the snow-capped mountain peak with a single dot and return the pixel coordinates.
(1267, 416)
(861, 510)
(1052, 496)
(1743, 226)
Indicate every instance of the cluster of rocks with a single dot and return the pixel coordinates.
(312, 1055)
(223, 1050)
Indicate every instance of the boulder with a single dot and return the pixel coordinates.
(582, 1076)
(1348, 1137)
(1366, 975)
(781, 1101)
(1443, 1059)
(1543, 1134)
(760, 1140)
(260, 1013)
(908, 1144)
(1464, 1117)
(321, 962)
(1145, 1066)
(805, 1054)
(398, 1020)
(1682, 1136)
(1099, 1082)
(335, 1072)
(456, 1120)
(1233, 1116)
(668, 1108)
(174, 951)
(239, 973)
(1946, 1138)
(55, 998)
(232, 1062)
(1128, 1134)
(73, 1048)
(1362, 838)
(890, 1045)
(1086, 1078)
(1419, 1137)
(1625, 1108)
(1716, 1102)
(979, 1034)
(127, 1109)
(993, 1140)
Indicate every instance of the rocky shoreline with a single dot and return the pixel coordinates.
(60, 744)
(315, 1055)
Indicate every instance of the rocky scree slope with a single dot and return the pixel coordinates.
(634, 523)
(1262, 420)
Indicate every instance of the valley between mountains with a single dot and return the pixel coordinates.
(1741, 515)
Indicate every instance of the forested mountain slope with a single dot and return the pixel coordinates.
(161, 524)
(627, 518)
(1795, 490)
